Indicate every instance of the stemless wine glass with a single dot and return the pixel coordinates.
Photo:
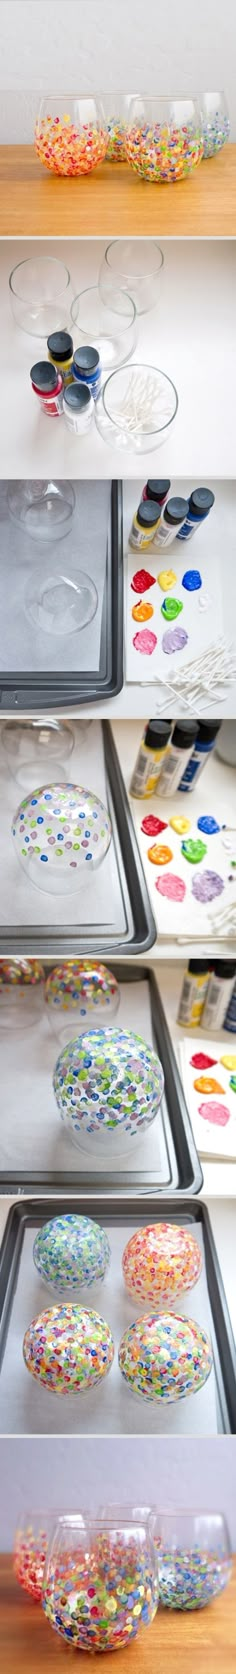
(42, 509)
(70, 133)
(62, 601)
(100, 1582)
(136, 407)
(163, 138)
(60, 833)
(80, 991)
(194, 1557)
(39, 748)
(32, 1540)
(39, 295)
(21, 993)
(134, 265)
(108, 1085)
(215, 122)
(110, 325)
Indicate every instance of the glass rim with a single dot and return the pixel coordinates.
(87, 292)
(189, 1511)
(139, 366)
(25, 264)
(167, 98)
(88, 1521)
(149, 272)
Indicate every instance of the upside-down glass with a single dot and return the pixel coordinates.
(215, 122)
(40, 295)
(62, 601)
(32, 1540)
(100, 1582)
(135, 265)
(43, 509)
(194, 1557)
(163, 139)
(21, 994)
(109, 324)
(108, 1086)
(61, 832)
(136, 407)
(70, 133)
(80, 993)
(116, 108)
(36, 749)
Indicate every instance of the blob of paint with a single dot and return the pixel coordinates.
(233, 1083)
(179, 824)
(142, 580)
(166, 579)
(152, 826)
(170, 885)
(145, 641)
(159, 855)
(207, 1084)
(192, 580)
(217, 1114)
(142, 611)
(174, 640)
(206, 885)
(229, 1060)
(193, 850)
(208, 824)
(171, 608)
(201, 1061)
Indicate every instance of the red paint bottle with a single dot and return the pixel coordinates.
(47, 384)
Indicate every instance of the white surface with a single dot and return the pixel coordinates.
(182, 337)
(211, 1140)
(111, 1408)
(211, 552)
(92, 43)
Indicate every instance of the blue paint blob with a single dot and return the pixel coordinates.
(192, 580)
(208, 824)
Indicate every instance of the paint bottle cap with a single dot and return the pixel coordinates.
(207, 730)
(184, 734)
(197, 967)
(201, 501)
(157, 734)
(224, 968)
(156, 488)
(176, 510)
(86, 359)
(44, 376)
(77, 397)
(147, 513)
(60, 345)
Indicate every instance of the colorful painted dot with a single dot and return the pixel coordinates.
(228, 1060)
(142, 580)
(217, 1114)
(190, 1577)
(174, 640)
(67, 148)
(201, 1060)
(207, 1084)
(143, 611)
(164, 1357)
(170, 885)
(162, 151)
(180, 824)
(192, 580)
(193, 850)
(206, 885)
(68, 1349)
(151, 825)
(161, 1261)
(159, 854)
(171, 608)
(208, 824)
(145, 641)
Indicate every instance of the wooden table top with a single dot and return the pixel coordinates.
(201, 1642)
(113, 201)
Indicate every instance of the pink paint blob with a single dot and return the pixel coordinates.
(151, 825)
(206, 885)
(145, 641)
(217, 1114)
(201, 1061)
(142, 580)
(171, 886)
(174, 640)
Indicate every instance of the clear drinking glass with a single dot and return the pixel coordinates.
(108, 1085)
(32, 1541)
(60, 832)
(70, 133)
(109, 325)
(61, 602)
(44, 510)
(39, 294)
(136, 407)
(21, 993)
(116, 108)
(134, 265)
(100, 1582)
(37, 748)
(215, 122)
(163, 139)
(193, 1555)
(80, 992)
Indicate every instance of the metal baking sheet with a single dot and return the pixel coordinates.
(26, 1408)
(35, 1149)
(114, 913)
(42, 670)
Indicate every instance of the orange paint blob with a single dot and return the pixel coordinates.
(142, 611)
(159, 854)
(207, 1084)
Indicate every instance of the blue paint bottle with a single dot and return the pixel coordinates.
(200, 503)
(205, 743)
(87, 368)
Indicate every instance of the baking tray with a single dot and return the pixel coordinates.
(21, 690)
(165, 1160)
(21, 1291)
(135, 929)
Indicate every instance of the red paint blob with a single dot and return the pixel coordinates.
(145, 641)
(142, 580)
(171, 886)
(217, 1114)
(201, 1060)
(151, 825)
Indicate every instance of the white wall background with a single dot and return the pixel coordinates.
(87, 44)
(45, 1473)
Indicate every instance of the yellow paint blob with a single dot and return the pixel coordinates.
(142, 612)
(229, 1060)
(180, 824)
(166, 578)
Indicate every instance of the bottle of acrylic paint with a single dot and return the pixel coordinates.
(173, 516)
(205, 743)
(60, 352)
(156, 489)
(178, 753)
(47, 384)
(200, 503)
(219, 993)
(87, 368)
(230, 1019)
(144, 525)
(150, 757)
(78, 408)
(193, 992)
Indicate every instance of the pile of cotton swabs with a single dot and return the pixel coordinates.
(143, 405)
(209, 676)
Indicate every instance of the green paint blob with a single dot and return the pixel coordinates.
(193, 849)
(171, 608)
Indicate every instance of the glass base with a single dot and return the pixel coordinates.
(44, 510)
(60, 605)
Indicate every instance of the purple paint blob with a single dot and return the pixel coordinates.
(206, 885)
(217, 1114)
(174, 640)
(170, 885)
(145, 641)
(192, 580)
(208, 824)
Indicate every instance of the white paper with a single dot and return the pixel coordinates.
(189, 918)
(211, 1140)
(202, 553)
